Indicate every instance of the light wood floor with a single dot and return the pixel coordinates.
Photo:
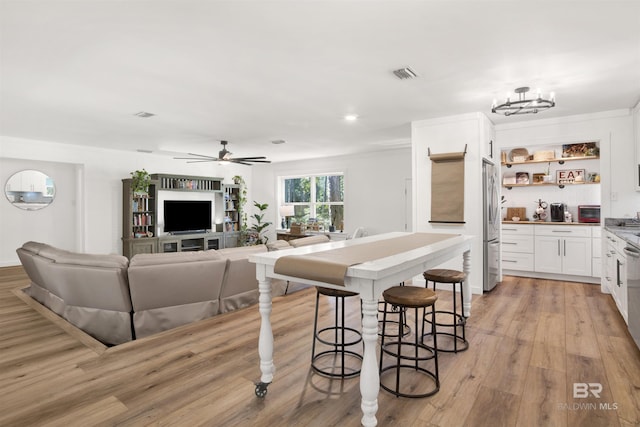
(530, 341)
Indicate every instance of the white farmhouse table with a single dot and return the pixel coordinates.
(369, 279)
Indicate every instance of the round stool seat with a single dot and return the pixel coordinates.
(330, 292)
(410, 296)
(442, 275)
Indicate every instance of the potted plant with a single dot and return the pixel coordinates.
(258, 228)
(140, 181)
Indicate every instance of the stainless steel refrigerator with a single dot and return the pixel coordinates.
(491, 224)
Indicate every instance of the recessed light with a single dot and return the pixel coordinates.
(351, 117)
(143, 114)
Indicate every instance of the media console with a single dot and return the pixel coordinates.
(191, 242)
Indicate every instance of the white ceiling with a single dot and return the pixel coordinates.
(256, 71)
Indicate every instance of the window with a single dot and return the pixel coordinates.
(318, 198)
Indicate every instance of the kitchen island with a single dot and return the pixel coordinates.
(406, 255)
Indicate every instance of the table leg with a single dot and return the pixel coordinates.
(466, 267)
(265, 342)
(369, 376)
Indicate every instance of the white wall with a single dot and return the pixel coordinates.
(614, 132)
(374, 187)
(59, 221)
(445, 135)
(100, 198)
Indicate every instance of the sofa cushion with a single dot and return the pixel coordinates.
(311, 240)
(241, 252)
(173, 258)
(278, 245)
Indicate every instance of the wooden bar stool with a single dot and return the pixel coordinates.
(410, 356)
(338, 337)
(455, 328)
(399, 327)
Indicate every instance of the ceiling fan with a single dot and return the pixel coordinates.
(224, 155)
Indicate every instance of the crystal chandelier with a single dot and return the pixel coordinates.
(523, 105)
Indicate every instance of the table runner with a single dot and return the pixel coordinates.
(330, 266)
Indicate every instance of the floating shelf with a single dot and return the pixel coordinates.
(553, 184)
(560, 160)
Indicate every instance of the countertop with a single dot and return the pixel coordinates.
(625, 228)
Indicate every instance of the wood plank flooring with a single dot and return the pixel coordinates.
(530, 341)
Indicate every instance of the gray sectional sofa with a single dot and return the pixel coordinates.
(116, 300)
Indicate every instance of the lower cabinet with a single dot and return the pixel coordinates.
(517, 247)
(191, 242)
(556, 249)
(147, 245)
(563, 255)
(615, 271)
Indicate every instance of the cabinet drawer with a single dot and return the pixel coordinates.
(517, 229)
(517, 261)
(563, 230)
(521, 244)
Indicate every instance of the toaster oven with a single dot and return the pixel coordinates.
(589, 213)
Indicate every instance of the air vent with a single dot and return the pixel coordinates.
(405, 73)
(278, 141)
(143, 114)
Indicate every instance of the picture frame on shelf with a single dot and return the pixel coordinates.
(538, 178)
(570, 176)
(583, 149)
(522, 178)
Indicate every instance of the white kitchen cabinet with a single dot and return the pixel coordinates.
(615, 271)
(596, 252)
(563, 249)
(28, 181)
(517, 247)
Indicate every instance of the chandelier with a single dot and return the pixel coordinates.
(523, 105)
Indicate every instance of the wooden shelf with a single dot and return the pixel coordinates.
(560, 160)
(547, 184)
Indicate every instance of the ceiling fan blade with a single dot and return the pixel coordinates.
(239, 162)
(251, 158)
(259, 161)
(201, 161)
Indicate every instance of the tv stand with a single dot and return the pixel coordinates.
(191, 241)
(182, 233)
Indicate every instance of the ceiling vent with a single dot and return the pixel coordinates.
(143, 114)
(405, 73)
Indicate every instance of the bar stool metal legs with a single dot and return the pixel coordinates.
(453, 329)
(338, 338)
(411, 356)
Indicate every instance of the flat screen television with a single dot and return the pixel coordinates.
(187, 215)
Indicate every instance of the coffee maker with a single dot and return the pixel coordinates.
(557, 212)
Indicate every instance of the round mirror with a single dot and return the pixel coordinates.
(30, 190)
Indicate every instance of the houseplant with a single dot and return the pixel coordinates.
(255, 234)
(140, 181)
